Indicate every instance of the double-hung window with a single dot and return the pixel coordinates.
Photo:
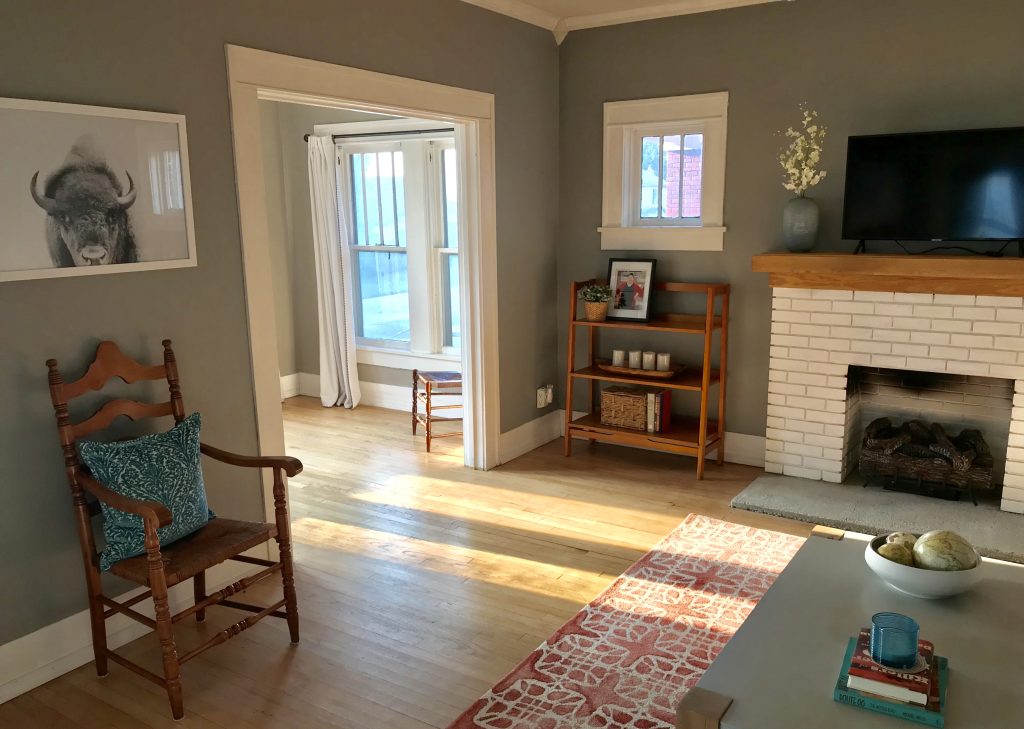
(399, 200)
(664, 173)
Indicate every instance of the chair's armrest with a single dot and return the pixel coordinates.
(153, 511)
(288, 464)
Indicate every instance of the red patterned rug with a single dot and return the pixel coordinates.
(627, 658)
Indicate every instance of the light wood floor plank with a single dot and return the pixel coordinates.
(420, 582)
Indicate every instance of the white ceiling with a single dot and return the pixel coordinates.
(563, 16)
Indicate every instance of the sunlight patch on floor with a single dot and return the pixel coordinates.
(533, 575)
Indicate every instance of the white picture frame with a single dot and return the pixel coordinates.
(89, 190)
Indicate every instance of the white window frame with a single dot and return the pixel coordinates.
(424, 225)
(625, 125)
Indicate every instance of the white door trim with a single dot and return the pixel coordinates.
(255, 75)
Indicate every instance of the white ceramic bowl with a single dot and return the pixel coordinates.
(930, 584)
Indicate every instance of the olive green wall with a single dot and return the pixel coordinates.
(170, 57)
(868, 66)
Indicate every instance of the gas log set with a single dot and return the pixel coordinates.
(921, 458)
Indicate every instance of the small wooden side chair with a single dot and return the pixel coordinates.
(435, 384)
(188, 558)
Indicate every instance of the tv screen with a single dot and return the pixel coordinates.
(936, 186)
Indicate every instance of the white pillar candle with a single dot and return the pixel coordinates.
(648, 360)
(634, 359)
(664, 361)
(618, 358)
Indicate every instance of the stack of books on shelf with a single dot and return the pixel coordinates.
(914, 695)
(659, 410)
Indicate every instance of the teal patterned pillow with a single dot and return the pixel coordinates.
(163, 467)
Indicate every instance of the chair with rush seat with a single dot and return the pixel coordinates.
(435, 384)
(161, 567)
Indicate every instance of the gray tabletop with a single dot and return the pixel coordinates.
(781, 666)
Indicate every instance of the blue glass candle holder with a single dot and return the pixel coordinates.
(894, 640)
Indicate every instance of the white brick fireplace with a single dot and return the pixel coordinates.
(817, 334)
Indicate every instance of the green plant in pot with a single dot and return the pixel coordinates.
(595, 301)
(800, 159)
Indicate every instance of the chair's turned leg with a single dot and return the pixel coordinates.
(430, 420)
(284, 546)
(415, 383)
(164, 629)
(199, 590)
(98, 623)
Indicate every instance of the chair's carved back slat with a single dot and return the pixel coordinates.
(112, 362)
(109, 362)
(132, 409)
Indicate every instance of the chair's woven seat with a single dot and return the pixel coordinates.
(219, 540)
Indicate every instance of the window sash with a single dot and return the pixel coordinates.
(633, 162)
(425, 239)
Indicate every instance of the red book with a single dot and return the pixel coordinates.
(862, 667)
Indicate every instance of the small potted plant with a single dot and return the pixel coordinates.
(595, 301)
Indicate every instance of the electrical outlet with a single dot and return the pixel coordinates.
(550, 394)
(542, 397)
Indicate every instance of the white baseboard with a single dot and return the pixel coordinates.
(391, 397)
(38, 657)
(747, 450)
(530, 435)
(289, 385)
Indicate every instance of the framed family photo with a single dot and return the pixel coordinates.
(631, 281)
(90, 190)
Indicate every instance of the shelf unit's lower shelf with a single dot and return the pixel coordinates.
(681, 438)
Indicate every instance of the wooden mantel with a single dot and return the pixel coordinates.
(902, 273)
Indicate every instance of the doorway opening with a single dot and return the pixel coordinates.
(256, 76)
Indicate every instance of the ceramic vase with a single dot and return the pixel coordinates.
(800, 224)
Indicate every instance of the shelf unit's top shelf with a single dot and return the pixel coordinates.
(689, 379)
(680, 323)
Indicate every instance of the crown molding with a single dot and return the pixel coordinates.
(561, 27)
(520, 11)
(653, 12)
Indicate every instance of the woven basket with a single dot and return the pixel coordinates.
(595, 310)
(624, 407)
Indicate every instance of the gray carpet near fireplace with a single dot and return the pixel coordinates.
(873, 510)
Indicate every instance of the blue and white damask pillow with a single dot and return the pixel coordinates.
(163, 467)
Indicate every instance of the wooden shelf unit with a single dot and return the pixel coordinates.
(687, 436)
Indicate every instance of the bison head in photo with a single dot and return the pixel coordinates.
(87, 220)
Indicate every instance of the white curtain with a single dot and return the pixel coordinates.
(339, 380)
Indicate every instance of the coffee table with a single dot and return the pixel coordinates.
(780, 668)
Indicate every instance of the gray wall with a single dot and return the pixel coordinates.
(170, 57)
(869, 66)
(291, 234)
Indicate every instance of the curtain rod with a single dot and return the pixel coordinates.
(363, 135)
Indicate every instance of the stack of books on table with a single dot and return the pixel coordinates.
(918, 696)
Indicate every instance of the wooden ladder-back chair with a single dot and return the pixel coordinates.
(188, 558)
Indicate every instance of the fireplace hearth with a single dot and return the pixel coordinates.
(921, 458)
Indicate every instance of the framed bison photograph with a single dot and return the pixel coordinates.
(89, 190)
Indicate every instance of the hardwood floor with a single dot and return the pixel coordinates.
(420, 582)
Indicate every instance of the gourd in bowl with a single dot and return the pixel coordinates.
(927, 583)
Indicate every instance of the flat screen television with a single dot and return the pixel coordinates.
(936, 186)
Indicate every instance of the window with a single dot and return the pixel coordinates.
(664, 173)
(400, 201)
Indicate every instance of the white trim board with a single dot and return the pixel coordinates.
(38, 657)
(529, 12)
